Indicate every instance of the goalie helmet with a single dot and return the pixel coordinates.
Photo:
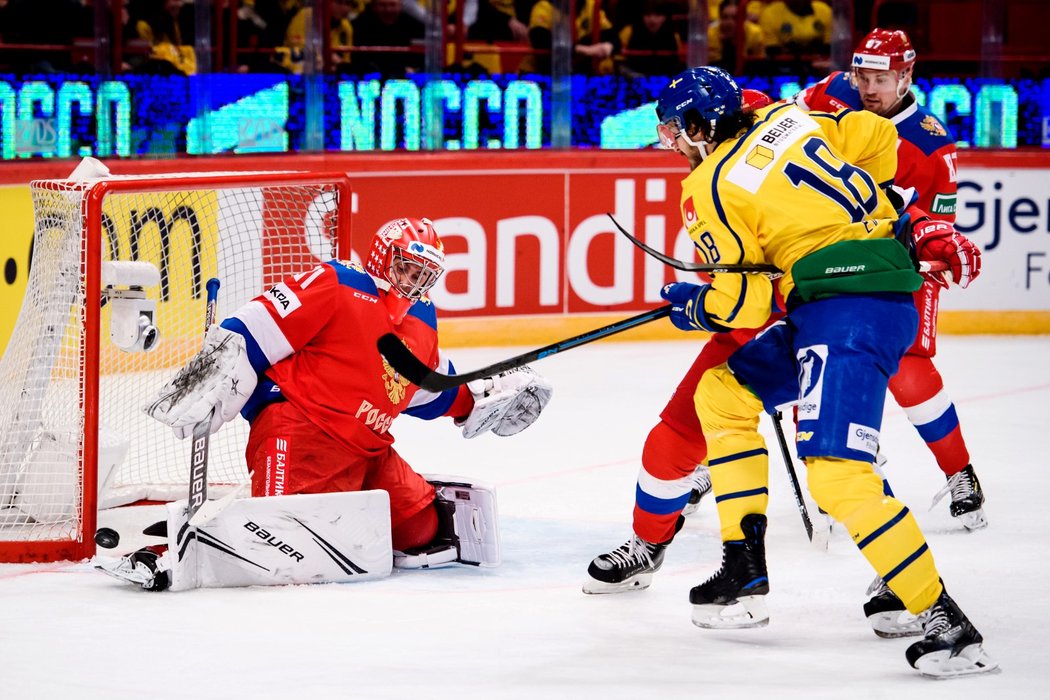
(407, 259)
(700, 96)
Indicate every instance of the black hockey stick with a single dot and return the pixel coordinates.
(413, 369)
(790, 465)
(694, 267)
(202, 430)
(772, 271)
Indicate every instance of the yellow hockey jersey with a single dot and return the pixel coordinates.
(796, 182)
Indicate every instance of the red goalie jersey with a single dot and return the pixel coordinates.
(926, 155)
(305, 337)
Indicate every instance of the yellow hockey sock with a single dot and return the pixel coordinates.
(736, 452)
(883, 528)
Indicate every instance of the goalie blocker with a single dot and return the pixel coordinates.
(316, 538)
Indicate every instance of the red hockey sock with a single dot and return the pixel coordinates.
(417, 530)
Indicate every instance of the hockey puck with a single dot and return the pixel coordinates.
(106, 538)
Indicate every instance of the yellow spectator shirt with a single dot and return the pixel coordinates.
(794, 183)
(782, 26)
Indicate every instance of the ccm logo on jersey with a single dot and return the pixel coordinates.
(269, 539)
(283, 299)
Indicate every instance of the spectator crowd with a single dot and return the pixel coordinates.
(626, 37)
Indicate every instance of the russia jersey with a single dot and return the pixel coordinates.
(926, 154)
(794, 183)
(312, 339)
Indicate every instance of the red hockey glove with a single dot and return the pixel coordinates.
(938, 240)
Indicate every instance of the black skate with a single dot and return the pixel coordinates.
(139, 568)
(734, 598)
(887, 614)
(967, 498)
(629, 567)
(701, 479)
(950, 646)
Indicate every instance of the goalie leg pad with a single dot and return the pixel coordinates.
(468, 527)
(316, 538)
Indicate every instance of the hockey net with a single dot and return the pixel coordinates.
(73, 435)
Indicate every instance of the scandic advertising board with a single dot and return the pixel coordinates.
(528, 235)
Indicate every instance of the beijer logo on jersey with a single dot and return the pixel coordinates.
(283, 299)
(843, 269)
(780, 129)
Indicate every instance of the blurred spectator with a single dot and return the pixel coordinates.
(796, 26)
(651, 31)
(44, 22)
(167, 26)
(385, 23)
(340, 39)
(722, 38)
(589, 57)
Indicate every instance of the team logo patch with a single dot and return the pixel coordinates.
(759, 157)
(283, 299)
(943, 204)
(863, 439)
(688, 212)
(933, 126)
(811, 363)
(395, 384)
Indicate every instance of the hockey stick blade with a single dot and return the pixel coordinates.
(416, 371)
(694, 267)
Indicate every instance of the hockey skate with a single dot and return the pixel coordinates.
(139, 568)
(967, 498)
(734, 598)
(950, 646)
(887, 614)
(701, 479)
(629, 567)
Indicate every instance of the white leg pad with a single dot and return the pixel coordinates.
(317, 538)
(475, 521)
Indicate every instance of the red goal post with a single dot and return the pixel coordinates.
(113, 259)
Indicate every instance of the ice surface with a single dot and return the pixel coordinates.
(524, 630)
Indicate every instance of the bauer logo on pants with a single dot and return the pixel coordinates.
(811, 362)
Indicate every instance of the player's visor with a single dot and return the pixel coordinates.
(668, 134)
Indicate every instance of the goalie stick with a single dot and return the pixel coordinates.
(202, 431)
(772, 271)
(416, 371)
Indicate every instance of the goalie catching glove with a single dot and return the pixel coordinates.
(507, 403)
(219, 377)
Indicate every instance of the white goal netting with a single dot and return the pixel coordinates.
(248, 230)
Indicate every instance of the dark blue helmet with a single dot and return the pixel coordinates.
(710, 92)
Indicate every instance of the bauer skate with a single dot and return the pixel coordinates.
(139, 568)
(735, 597)
(967, 498)
(951, 646)
(886, 612)
(701, 481)
(629, 567)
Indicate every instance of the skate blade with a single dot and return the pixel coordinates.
(638, 582)
(893, 625)
(747, 612)
(690, 508)
(122, 570)
(941, 665)
(974, 520)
